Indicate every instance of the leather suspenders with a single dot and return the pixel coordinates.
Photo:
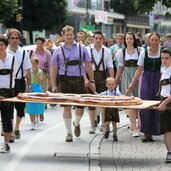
(97, 67)
(72, 62)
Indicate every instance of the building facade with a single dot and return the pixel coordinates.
(97, 13)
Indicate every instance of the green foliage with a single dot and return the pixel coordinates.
(125, 7)
(134, 7)
(41, 14)
(7, 9)
(147, 5)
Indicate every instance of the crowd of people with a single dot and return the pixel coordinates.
(132, 66)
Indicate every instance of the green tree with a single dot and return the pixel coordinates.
(125, 7)
(39, 15)
(134, 7)
(143, 6)
(7, 9)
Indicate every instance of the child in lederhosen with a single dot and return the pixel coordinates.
(165, 106)
(111, 114)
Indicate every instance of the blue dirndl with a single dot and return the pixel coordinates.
(35, 108)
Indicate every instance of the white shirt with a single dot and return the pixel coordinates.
(18, 57)
(142, 57)
(5, 79)
(98, 55)
(166, 89)
(120, 58)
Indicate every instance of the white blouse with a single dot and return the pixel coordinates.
(119, 56)
(166, 89)
(142, 57)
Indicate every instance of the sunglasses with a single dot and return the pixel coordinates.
(14, 38)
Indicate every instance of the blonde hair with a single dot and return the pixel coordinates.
(34, 59)
(120, 35)
(81, 33)
(110, 79)
(67, 28)
(13, 30)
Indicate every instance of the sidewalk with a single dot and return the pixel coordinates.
(130, 154)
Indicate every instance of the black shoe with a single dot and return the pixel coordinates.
(168, 158)
(17, 134)
(106, 135)
(5, 149)
(115, 138)
(96, 124)
(12, 139)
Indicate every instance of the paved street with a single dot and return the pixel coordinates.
(45, 149)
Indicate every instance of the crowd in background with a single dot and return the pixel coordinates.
(129, 64)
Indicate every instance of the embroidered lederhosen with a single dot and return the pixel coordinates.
(111, 114)
(131, 62)
(20, 83)
(8, 92)
(99, 75)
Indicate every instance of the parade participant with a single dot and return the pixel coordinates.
(111, 114)
(69, 62)
(167, 42)
(35, 109)
(146, 40)
(150, 63)
(45, 58)
(127, 63)
(23, 59)
(80, 37)
(114, 48)
(7, 75)
(165, 92)
(102, 66)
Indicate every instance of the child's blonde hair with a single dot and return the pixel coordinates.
(34, 59)
(110, 79)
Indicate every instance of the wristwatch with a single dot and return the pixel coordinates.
(92, 81)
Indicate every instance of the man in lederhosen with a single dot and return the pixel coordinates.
(7, 76)
(102, 66)
(24, 66)
(69, 62)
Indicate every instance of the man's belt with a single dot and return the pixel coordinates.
(5, 71)
(165, 81)
(73, 62)
(131, 63)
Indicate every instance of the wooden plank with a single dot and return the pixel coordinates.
(146, 103)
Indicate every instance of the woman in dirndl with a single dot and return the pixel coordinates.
(127, 66)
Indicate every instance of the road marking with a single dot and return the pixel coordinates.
(21, 153)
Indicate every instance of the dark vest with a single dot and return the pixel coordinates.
(151, 64)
